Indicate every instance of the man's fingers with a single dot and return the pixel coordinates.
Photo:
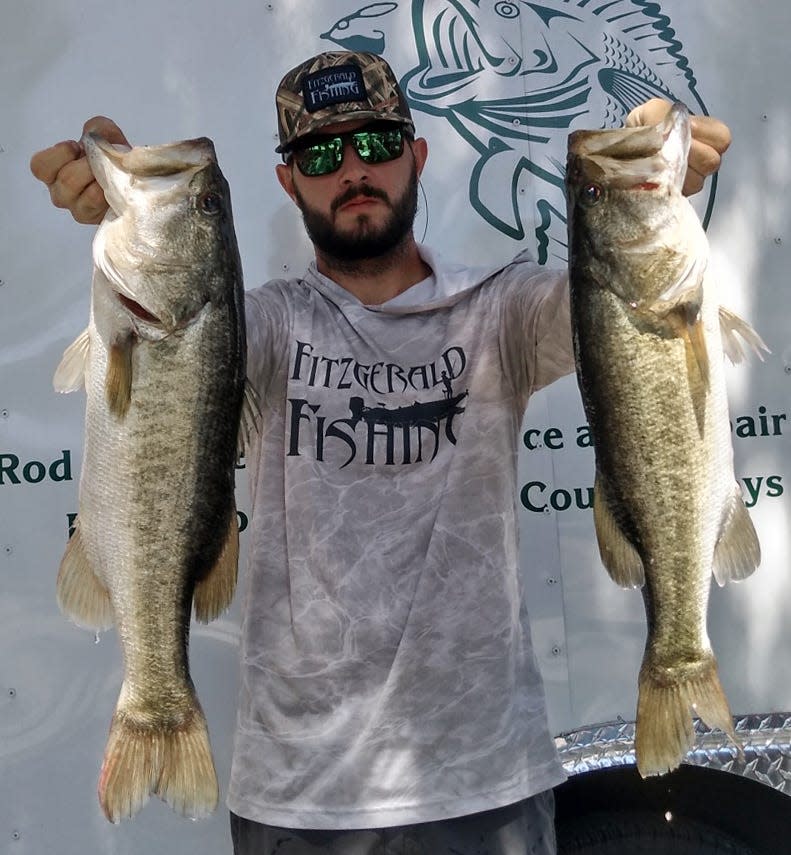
(46, 164)
(703, 157)
(711, 132)
(65, 170)
(91, 205)
(693, 182)
(72, 179)
(649, 113)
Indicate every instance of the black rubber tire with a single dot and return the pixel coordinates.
(638, 833)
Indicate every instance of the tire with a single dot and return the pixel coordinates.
(643, 833)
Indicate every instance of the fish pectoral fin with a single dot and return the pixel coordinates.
(738, 552)
(689, 327)
(80, 594)
(664, 731)
(118, 380)
(732, 328)
(70, 373)
(681, 305)
(619, 556)
(250, 420)
(214, 591)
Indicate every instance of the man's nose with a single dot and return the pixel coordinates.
(353, 167)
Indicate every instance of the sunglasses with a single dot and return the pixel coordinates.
(325, 154)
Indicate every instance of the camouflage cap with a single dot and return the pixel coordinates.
(338, 86)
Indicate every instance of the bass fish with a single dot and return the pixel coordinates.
(649, 338)
(163, 365)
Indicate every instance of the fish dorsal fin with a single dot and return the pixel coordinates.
(732, 328)
(214, 591)
(80, 594)
(70, 373)
(251, 418)
(619, 556)
(738, 552)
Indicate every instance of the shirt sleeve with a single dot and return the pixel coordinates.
(535, 325)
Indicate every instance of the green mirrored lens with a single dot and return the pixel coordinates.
(325, 156)
(378, 146)
(321, 158)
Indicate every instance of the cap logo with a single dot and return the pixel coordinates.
(330, 86)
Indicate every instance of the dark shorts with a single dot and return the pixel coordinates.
(524, 828)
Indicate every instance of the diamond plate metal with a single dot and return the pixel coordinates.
(765, 738)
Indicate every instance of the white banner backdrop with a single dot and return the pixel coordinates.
(495, 87)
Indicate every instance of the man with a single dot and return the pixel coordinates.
(390, 699)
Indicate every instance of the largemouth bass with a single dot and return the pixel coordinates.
(649, 336)
(163, 365)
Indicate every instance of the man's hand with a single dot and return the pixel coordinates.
(64, 169)
(710, 140)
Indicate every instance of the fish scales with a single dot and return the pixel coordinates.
(647, 329)
(163, 364)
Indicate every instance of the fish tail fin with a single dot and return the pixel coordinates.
(214, 591)
(173, 763)
(665, 731)
(80, 594)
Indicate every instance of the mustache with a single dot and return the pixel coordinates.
(353, 192)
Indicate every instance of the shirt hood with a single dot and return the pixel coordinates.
(450, 283)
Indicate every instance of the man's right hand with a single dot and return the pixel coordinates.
(64, 169)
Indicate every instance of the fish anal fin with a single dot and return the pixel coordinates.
(619, 556)
(738, 552)
(214, 591)
(80, 594)
(664, 731)
(70, 373)
(118, 381)
(173, 762)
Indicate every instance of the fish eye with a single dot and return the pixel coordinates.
(590, 194)
(507, 10)
(210, 203)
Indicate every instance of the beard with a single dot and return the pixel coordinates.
(365, 241)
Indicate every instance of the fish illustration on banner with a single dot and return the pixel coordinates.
(514, 78)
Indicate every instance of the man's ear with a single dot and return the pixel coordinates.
(286, 179)
(420, 151)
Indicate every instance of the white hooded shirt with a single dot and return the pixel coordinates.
(387, 672)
